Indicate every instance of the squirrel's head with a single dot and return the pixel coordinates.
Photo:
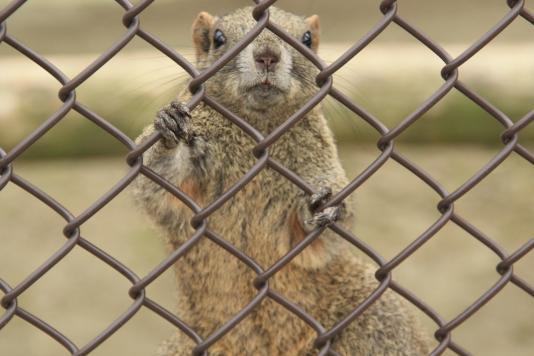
(266, 74)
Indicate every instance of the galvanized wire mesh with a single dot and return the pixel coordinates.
(450, 74)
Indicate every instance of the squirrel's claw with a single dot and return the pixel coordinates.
(319, 198)
(325, 217)
(173, 123)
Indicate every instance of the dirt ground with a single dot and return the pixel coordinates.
(81, 295)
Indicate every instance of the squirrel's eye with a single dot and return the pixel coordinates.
(218, 39)
(307, 39)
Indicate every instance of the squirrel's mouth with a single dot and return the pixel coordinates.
(265, 86)
(266, 89)
(263, 95)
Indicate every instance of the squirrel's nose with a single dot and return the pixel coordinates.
(266, 60)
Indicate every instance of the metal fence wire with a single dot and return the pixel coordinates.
(450, 75)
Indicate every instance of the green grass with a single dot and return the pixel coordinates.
(81, 295)
(130, 89)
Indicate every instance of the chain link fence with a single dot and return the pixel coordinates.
(512, 128)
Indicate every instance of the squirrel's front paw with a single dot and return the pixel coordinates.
(173, 123)
(326, 216)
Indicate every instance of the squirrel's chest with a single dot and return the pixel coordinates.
(260, 192)
(234, 164)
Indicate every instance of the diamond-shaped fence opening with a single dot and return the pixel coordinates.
(73, 228)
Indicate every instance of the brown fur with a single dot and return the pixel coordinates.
(267, 217)
(298, 233)
(191, 188)
(314, 25)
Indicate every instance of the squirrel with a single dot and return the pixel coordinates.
(204, 154)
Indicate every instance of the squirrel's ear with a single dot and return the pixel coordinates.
(314, 26)
(201, 32)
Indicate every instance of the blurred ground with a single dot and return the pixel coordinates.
(81, 295)
(68, 26)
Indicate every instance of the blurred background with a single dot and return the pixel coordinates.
(76, 162)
